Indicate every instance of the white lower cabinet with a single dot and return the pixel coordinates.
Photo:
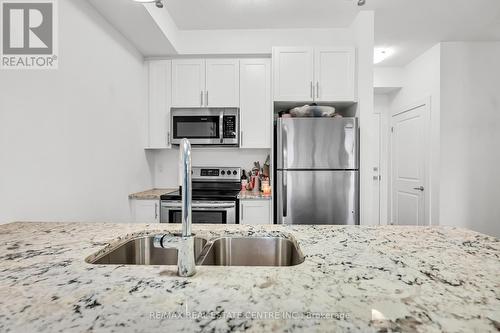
(146, 211)
(255, 212)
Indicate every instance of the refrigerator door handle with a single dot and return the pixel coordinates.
(284, 147)
(284, 195)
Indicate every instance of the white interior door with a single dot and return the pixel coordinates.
(188, 82)
(223, 83)
(408, 167)
(293, 74)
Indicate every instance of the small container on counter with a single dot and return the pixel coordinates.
(266, 188)
(244, 181)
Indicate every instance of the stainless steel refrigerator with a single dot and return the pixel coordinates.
(317, 171)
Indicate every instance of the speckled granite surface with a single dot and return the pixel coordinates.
(251, 195)
(377, 278)
(153, 194)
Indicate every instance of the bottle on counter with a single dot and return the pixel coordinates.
(244, 181)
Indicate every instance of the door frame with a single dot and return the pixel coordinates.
(426, 103)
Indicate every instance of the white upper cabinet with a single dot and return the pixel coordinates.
(255, 103)
(188, 82)
(158, 117)
(293, 73)
(334, 74)
(314, 74)
(222, 83)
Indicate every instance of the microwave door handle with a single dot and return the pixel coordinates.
(221, 127)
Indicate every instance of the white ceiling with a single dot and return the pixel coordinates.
(409, 26)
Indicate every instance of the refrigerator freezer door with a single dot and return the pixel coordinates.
(317, 197)
(317, 143)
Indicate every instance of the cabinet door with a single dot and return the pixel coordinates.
(255, 103)
(334, 74)
(147, 211)
(255, 212)
(188, 82)
(293, 73)
(223, 83)
(160, 100)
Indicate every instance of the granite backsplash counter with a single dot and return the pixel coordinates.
(251, 195)
(356, 279)
(152, 194)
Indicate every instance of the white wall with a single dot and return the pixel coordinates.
(388, 77)
(71, 139)
(382, 108)
(421, 81)
(363, 34)
(470, 136)
(166, 161)
(256, 41)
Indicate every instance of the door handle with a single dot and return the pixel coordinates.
(421, 188)
(317, 89)
(312, 90)
(206, 98)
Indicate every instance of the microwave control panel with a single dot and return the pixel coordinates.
(229, 127)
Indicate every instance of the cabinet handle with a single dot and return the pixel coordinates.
(206, 98)
(156, 211)
(241, 138)
(201, 94)
(317, 89)
(312, 89)
(241, 212)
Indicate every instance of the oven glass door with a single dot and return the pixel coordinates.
(196, 127)
(202, 212)
(211, 217)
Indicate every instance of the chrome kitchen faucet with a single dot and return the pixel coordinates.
(185, 242)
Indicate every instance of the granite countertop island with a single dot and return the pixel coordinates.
(357, 279)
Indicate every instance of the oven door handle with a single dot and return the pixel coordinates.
(200, 205)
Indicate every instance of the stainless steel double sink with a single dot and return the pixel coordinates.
(223, 251)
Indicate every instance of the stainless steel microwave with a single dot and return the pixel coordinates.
(206, 126)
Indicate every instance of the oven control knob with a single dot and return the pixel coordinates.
(223, 172)
(229, 172)
(235, 172)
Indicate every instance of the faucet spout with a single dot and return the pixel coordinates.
(185, 167)
(185, 242)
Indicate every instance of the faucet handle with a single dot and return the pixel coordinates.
(158, 241)
(167, 241)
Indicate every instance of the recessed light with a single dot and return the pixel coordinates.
(159, 3)
(380, 54)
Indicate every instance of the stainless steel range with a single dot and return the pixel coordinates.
(214, 198)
